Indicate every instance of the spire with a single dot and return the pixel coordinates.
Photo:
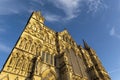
(85, 45)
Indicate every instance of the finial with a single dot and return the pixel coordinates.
(85, 45)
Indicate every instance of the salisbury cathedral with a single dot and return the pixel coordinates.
(43, 54)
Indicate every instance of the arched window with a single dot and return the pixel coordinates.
(43, 56)
(75, 64)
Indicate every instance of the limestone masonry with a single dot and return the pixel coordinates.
(43, 54)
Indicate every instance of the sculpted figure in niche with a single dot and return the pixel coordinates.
(27, 46)
(20, 62)
(22, 43)
(38, 50)
(33, 48)
(13, 60)
(30, 65)
(25, 64)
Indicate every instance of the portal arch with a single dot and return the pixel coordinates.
(49, 75)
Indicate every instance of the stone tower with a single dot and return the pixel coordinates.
(43, 54)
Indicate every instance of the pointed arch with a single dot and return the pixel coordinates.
(49, 74)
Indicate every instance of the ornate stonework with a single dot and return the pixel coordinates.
(43, 54)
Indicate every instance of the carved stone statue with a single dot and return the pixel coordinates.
(13, 60)
(22, 43)
(20, 62)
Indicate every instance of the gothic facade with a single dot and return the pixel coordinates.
(43, 54)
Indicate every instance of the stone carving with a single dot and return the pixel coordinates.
(38, 66)
(30, 65)
(27, 63)
(22, 43)
(20, 62)
(49, 76)
(13, 60)
(27, 45)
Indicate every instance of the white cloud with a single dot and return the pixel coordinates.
(115, 70)
(70, 7)
(4, 48)
(114, 33)
(51, 17)
(95, 5)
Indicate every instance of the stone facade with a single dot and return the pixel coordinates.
(43, 54)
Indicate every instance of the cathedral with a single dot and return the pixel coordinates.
(43, 54)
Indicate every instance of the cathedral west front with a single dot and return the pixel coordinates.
(43, 54)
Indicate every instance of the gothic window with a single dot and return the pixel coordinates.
(68, 55)
(43, 57)
(52, 59)
(74, 62)
(47, 57)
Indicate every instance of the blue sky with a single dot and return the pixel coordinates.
(96, 21)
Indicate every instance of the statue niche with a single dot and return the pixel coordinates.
(20, 62)
(22, 43)
(25, 64)
(33, 48)
(13, 60)
(28, 44)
